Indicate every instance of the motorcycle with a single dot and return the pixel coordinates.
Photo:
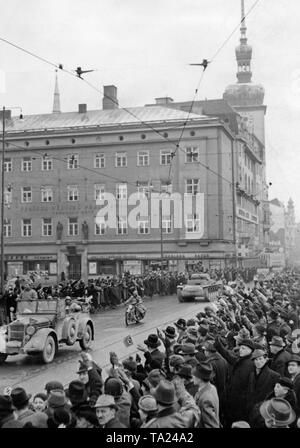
(133, 315)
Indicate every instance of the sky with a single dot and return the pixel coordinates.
(144, 48)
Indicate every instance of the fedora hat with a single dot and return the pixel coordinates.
(209, 346)
(19, 397)
(185, 371)
(176, 360)
(277, 341)
(106, 401)
(147, 403)
(77, 392)
(152, 341)
(258, 353)
(192, 332)
(247, 343)
(164, 393)
(57, 398)
(187, 349)
(278, 410)
(82, 367)
(191, 322)
(286, 382)
(294, 358)
(170, 332)
(203, 371)
(181, 324)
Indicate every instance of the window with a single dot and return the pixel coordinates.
(143, 227)
(99, 161)
(121, 159)
(122, 226)
(46, 194)
(121, 191)
(26, 164)
(192, 223)
(73, 161)
(7, 165)
(192, 186)
(143, 158)
(192, 155)
(100, 226)
(7, 195)
(167, 225)
(7, 227)
(73, 193)
(99, 190)
(26, 194)
(73, 227)
(47, 163)
(47, 227)
(166, 186)
(165, 156)
(143, 188)
(26, 227)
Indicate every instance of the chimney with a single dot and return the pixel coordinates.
(82, 108)
(7, 114)
(110, 99)
(164, 100)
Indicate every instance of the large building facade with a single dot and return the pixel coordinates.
(59, 166)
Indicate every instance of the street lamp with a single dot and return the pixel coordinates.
(2, 195)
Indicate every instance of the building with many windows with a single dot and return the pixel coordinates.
(59, 167)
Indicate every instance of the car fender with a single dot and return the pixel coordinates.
(83, 321)
(64, 333)
(37, 342)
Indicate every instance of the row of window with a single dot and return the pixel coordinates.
(192, 186)
(192, 224)
(143, 159)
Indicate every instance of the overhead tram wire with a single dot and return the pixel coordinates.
(61, 67)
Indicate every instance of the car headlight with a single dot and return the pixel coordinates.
(30, 330)
(3, 329)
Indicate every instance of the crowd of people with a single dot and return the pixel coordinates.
(109, 291)
(236, 364)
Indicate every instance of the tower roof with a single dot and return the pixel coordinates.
(244, 93)
(56, 100)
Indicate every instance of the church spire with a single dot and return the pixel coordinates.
(56, 101)
(243, 52)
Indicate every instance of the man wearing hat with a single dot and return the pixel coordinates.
(123, 399)
(181, 327)
(220, 372)
(262, 380)
(53, 385)
(167, 415)
(154, 357)
(106, 410)
(238, 384)
(188, 352)
(20, 401)
(57, 400)
(207, 396)
(293, 365)
(91, 380)
(280, 356)
(273, 326)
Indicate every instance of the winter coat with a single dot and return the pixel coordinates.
(278, 362)
(114, 423)
(238, 384)
(221, 375)
(155, 357)
(167, 418)
(94, 386)
(296, 382)
(124, 406)
(208, 402)
(261, 385)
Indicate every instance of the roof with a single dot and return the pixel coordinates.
(111, 117)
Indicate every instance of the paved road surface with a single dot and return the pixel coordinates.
(110, 330)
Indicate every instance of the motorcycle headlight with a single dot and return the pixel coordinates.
(30, 330)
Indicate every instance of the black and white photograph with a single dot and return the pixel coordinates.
(150, 217)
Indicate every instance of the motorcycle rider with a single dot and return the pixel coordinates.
(137, 302)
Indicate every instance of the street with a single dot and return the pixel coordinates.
(110, 330)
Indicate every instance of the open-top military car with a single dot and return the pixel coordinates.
(198, 286)
(41, 325)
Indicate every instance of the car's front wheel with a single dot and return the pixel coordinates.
(87, 337)
(49, 350)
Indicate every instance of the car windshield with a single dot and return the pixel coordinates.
(37, 306)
